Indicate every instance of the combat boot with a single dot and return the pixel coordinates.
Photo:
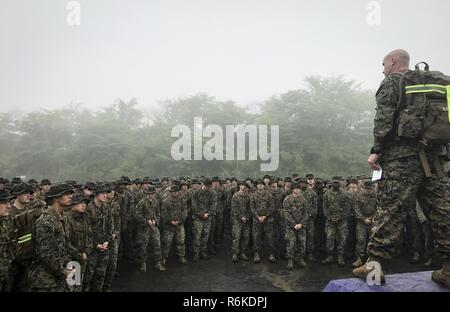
(428, 263)
(159, 266)
(143, 268)
(363, 271)
(204, 255)
(256, 258)
(327, 260)
(196, 258)
(416, 258)
(183, 260)
(272, 258)
(244, 257)
(357, 263)
(235, 258)
(290, 264)
(302, 263)
(442, 276)
(341, 261)
(164, 260)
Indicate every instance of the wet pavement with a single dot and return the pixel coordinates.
(220, 274)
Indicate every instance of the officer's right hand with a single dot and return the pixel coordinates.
(373, 162)
(68, 272)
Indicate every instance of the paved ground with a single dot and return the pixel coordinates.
(219, 274)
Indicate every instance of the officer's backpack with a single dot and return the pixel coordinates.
(423, 109)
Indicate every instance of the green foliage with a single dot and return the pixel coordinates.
(325, 128)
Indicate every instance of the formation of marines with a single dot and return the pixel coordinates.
(45, 226)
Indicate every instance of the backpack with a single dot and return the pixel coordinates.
(424, 106)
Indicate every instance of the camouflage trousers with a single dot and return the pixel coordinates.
(320, 235)
(171, 233)
(227, 222)
(240, 235)
(280, 233)
(350, 245)
(428, 240)
(148, 235)
(296, 242)
(212, 232)
(129, 240)
(219, 231)
(97, 265)
(188, 231)
(337, 234)
(403, 179)
(5, 269)
(260, 230)
(20, 269)
(200, 235)
(414, 232)
(112, 264)
(310, 231)
(362, 238)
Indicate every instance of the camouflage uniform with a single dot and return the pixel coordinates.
(102, 227)
(365, 209)
(53, 252)
(148, 209)
(403, 178)
(216, 232)
(203, 201)
(188, 222)
(8, 243)
(336, 208)
(126, 203)
(319, 235)
(296, 211)
(279, 234)
(311, 203)
(240, 233)
(229, 192)
(80, 237)
(113, 247)
(173, 208)
(261, 204)
(354, 198)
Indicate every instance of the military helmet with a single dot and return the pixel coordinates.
(45, 182)
(89, 186)
(59, 190)
(259, 181)
(295, 185)
(175, 188)
(22, 188)
(215, 179)
(16, 180)
(309, 176)
(79, 199)
(5, 195)
(100, 188)
(206, 181)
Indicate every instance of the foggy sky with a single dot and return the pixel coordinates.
(242, 50)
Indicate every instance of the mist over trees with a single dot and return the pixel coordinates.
(325, 128)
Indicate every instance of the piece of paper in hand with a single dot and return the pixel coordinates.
(377, 174)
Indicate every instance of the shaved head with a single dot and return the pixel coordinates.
(396, 61)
